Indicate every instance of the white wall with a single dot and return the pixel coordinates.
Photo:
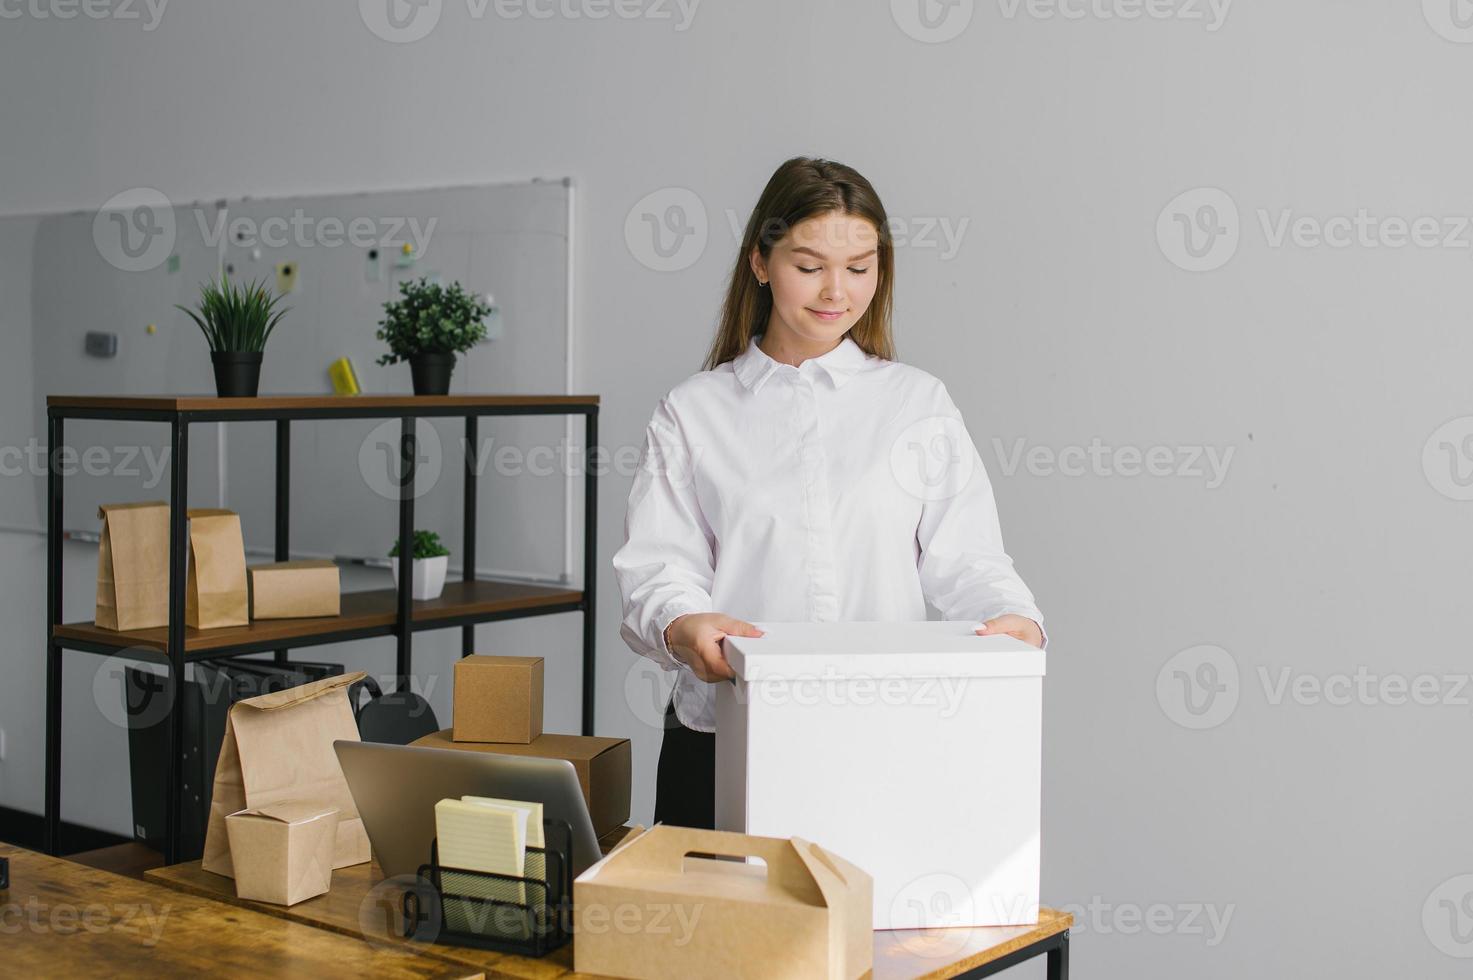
(22, 556)
(1321, 829)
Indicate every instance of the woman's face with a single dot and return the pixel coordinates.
(822, 274)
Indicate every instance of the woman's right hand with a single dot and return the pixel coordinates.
(695, 639)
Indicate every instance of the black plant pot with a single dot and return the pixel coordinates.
(431, 373)
(237, 372)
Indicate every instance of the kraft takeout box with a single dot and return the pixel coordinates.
(603, 765)
(497, 699)
(278, 749)
(295, 589)
(133, 566)
(216, 592)
(806, 913)
(283, 853)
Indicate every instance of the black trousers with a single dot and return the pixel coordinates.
(685, 783)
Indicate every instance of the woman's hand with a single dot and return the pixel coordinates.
(1022, 627)
(695, 639)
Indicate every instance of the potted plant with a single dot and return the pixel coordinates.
(431, 558)
(236, 321)
(427, 326)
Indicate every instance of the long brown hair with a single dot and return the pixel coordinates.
(803, 188)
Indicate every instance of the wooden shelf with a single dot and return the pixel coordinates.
(363, 614)
(206, 407)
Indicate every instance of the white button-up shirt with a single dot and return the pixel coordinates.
(845, 489)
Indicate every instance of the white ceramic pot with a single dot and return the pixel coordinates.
(429, 576)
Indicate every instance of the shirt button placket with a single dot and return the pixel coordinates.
(823, 600)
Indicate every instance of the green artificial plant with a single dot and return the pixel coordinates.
(426, 545)
(236, 318)
(430, 318)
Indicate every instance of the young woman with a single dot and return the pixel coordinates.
(804, 475)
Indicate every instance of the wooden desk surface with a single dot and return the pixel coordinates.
(933, 954)
(360, 901)
(361, 904)
(64, 919)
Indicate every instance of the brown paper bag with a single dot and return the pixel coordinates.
(650, 909)
(278, 748)
(295, 589)
(216, 594)
(133, 566)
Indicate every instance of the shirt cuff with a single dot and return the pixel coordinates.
(668, 614)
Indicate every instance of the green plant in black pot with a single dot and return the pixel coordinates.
(427, 326)
(236, 321)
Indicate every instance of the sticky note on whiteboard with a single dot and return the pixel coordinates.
(344, 378)
(286, 278)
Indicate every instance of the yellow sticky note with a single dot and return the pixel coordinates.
(344, 378)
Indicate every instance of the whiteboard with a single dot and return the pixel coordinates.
(509, 240)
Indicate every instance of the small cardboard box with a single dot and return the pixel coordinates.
(295, 589)
(133, 566)
(283, 852)
(498, 699)
(603, 766)
(651, 910)
(215, 595)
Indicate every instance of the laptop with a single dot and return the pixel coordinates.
(396, 787)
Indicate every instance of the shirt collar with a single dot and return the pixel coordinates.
(753, 366)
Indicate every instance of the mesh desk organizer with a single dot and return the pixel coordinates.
(530, 915)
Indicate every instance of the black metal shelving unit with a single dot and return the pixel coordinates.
(390, 612)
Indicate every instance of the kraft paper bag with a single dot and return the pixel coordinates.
(133, 566)
(278, 749)
(805, 912)
(295, 589)
(216, 593)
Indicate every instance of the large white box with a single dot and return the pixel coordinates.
(912, 750)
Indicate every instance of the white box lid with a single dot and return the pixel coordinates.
(793, 651)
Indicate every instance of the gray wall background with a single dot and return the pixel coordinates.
(1256, 706)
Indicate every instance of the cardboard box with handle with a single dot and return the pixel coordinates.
(653, 910)
(278, 748)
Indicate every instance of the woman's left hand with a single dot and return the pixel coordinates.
(1022, 627)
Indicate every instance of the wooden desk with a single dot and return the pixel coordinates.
(934, 954)
(360, 903)
(64, 919)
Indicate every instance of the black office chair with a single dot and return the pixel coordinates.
(396, 719)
